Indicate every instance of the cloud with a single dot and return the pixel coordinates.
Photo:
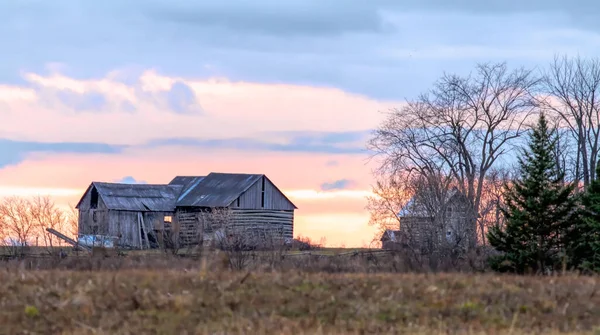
(310, 142)
(13, 152)
(290, 18)
(130, 180)
(340, 184)
(166, 108)
(91, 101)
(182, 99)
(384, 49)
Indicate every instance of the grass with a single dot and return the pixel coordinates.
(221, 301)
(319, 292)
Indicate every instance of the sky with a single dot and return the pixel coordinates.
(144, 90)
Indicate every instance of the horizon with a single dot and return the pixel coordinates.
(140, 92)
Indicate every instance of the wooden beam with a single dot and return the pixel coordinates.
(67, 239)
(139, 221)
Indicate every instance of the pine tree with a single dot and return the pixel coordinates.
(539, 208)
(585, 238)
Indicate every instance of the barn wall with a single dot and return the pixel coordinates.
(198, 225)
(86, 199)
(124, 224)
(252, 198)
(275, 222)
(274, 199)
(93, 220)
(188, 229)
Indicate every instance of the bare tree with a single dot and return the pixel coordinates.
(459, 129)
(491, 200)
(44, 214)
(16, 224)
(71, 218)
(390, 195)
(572, 92)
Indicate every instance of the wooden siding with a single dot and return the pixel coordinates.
(93, 221)
(275, 222)
(197, 226)
(252, 198)
(123, 225)
(86, 200)
(188, 227)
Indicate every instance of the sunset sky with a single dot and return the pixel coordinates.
(142, 91)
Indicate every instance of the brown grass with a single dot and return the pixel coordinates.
(205, 301)
(285, 293)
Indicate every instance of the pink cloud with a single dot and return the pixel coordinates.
(134, 114)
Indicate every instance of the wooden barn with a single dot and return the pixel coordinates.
(189, 210)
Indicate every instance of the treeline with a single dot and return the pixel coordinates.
(481, 134)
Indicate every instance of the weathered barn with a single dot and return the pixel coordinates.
(189, 210)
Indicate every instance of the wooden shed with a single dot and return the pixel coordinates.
(255, 205)
(143, 216)
(133, 214)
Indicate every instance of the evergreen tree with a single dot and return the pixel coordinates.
(539, 209)
(585, 238)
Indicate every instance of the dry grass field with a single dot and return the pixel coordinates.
(217, 301)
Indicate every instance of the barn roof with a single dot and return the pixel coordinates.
(216, 189)
(186, 182)
(213, 190)
(137, 197)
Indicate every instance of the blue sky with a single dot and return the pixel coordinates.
(381, 48)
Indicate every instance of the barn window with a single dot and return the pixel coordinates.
(94, 198)
(262, 199)
(168, 219)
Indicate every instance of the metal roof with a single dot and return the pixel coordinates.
(213, 190)
(186, 182)
(216, 189)
(138, 197)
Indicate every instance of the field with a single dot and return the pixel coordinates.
(173, 295)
